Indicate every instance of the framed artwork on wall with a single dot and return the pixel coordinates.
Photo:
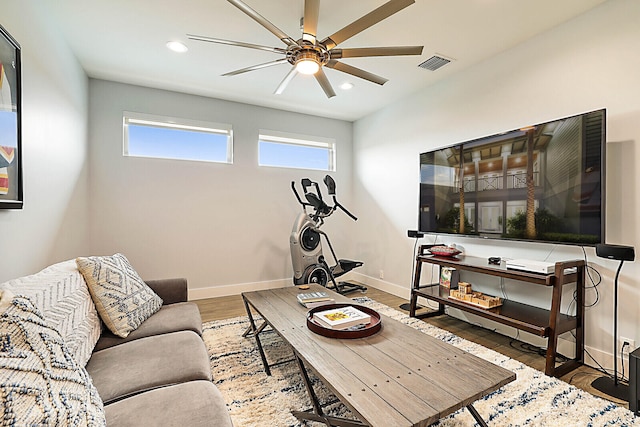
(10, 123)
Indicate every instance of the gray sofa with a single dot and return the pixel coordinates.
(159, 375)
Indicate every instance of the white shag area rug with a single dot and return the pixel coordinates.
(255, 399)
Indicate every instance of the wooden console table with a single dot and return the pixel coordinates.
(544, 323)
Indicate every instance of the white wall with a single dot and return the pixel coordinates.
(53, 225)
(223, 227)
(587, 63)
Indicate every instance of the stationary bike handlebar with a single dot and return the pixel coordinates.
(293, 187)
(314, 200)
(338, 205)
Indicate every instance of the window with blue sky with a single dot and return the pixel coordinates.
(171, 138)
(279, 149)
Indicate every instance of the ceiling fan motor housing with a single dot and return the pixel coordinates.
(306, 52)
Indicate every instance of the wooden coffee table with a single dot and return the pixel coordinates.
(397, 377)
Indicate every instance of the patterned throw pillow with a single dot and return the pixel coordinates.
(40, 382)
(121, 297)
(61, 294)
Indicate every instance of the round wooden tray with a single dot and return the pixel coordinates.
(369, 329)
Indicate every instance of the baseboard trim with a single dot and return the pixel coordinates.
(392, 288)
(236, 289)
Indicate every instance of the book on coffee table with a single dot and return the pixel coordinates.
(314, 299)
(342, 318)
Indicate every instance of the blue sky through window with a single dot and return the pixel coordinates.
(163, 142)
(294, 156)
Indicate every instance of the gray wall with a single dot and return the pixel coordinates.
(224, 227)
(53, 225)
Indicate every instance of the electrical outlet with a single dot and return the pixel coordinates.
(627, 348)
(381, 274)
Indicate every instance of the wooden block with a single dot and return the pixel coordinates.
(464, 287)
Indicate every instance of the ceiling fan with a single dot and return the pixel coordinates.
(308, 55)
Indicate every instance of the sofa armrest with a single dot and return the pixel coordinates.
(170, 290)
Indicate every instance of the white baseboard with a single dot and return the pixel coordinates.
(392, 288)
(236, 289)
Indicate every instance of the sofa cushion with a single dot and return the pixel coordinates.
(183, 316)
(60, 293)
(122, 298)
(193, 404)
(40, 382)
(148, 363)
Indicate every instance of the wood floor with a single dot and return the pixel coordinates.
(232, 306)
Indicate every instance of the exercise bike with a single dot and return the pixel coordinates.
(309, 264)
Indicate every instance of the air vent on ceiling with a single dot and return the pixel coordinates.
(434, 63)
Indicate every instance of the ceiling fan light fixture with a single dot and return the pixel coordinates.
(307, 62)
(307, 66)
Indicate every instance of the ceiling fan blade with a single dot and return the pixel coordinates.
(366, 21)
(349, 69)
(310, 20)
(263, 21)
(359, 52)
(256, 67)
(283, 84)
(321, 77)
(234, 43)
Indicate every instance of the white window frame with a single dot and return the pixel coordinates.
(153, 120)
(302, 141)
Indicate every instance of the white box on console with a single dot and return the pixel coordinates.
(531, 266)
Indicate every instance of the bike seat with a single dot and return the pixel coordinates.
(345, 265)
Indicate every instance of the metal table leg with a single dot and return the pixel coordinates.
(477, 416)
(256, 333)
(249, 331)
(316, 414)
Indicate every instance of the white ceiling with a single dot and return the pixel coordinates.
(124, 40)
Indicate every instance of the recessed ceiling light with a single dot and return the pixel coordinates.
(346, 86)
(177, 46)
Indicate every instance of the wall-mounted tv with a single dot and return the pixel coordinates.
(543, 183)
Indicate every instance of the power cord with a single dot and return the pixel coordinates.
(594, 282)
(532, 349)
(595, 278)
(626, 344)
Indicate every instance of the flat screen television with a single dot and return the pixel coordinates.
(542, 183)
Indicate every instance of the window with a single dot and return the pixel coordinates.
(296, 151)
(169, 138)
